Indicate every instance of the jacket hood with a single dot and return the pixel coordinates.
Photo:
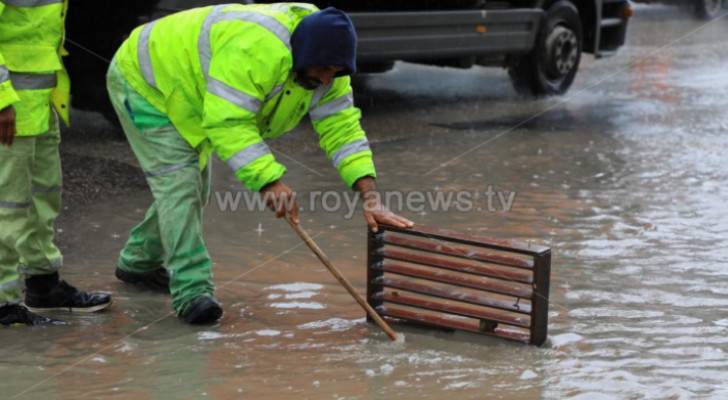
(324, 38)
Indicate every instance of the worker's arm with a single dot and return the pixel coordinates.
(239, 79)
(336, 121)
(7, 98)
(241, 75)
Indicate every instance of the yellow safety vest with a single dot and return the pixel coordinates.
(32, 75)
(224, 77)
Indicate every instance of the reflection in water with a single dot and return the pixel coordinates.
(624, 181)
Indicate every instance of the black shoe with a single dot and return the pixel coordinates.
(16, 314)
(47, 293)
(202, 310)
(157, 280)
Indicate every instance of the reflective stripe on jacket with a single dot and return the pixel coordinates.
(31, 70)
(223, 76)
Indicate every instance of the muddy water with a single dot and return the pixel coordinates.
(625, 181)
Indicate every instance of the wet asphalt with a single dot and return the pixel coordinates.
(624, 178)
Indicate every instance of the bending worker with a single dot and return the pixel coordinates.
(223, 79)
(33, 88)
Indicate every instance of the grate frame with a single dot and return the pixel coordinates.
(524, 266)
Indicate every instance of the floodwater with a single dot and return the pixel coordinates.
(624, 179)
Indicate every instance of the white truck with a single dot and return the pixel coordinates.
(540, 42)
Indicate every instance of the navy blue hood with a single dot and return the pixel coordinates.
(324, 38)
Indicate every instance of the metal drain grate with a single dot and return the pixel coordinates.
(445, 279)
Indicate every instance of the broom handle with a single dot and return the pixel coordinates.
(337, 274)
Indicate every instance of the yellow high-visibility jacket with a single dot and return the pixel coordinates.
(31, 69)
(223, 75)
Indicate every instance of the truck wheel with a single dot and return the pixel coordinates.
(708, 9)
(550, 68)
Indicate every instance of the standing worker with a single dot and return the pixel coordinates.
(33, 88)
(223, 79)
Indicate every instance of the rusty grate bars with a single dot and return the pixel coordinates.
(446, 279)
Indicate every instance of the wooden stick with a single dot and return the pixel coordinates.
(344, 282)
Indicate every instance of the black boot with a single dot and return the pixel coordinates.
(16, 314)
(202, 310)
(48, 293)
(157, 280)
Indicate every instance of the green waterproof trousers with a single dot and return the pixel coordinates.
(30, 199)
(171, 233)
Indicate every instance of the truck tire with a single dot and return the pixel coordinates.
(550, 68)
(708, 9)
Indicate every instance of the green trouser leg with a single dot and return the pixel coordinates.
(171, 232)
(144, 251)
(30, 199)
(9, 279)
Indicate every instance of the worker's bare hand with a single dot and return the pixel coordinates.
(376, 213)
(281, 199)
(7, 126)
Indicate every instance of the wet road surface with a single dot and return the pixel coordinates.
(624, 178)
